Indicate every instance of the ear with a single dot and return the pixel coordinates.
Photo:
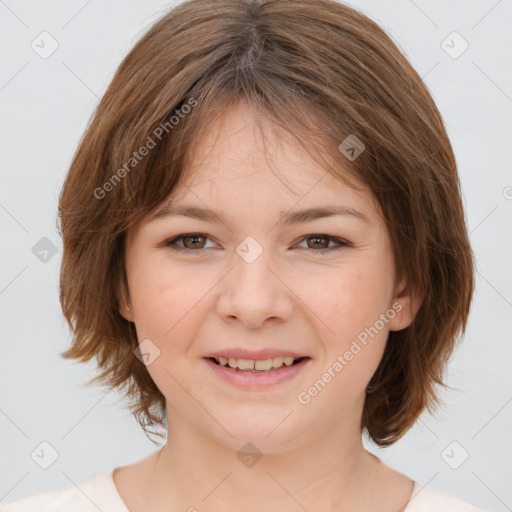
(406, 304)
(125, 308)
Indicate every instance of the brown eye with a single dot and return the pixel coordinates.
(319, 241)
(194, 241)
(190, 242)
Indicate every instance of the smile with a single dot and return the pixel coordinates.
(250, 365)
(256, 374)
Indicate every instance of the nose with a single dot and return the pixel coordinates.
(255, 291)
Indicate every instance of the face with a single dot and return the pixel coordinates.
(253, 275)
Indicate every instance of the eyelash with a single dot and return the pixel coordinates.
(171, 243)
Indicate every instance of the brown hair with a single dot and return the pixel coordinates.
(325, 72)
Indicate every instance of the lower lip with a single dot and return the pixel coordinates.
(250, 380)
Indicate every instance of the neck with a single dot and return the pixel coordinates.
(332, 471)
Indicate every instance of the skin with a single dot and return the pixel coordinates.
(291, 297)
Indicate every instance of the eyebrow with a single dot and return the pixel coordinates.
(289, 218)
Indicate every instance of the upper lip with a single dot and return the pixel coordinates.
(256, 355)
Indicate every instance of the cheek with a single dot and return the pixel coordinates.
(169, 304)
(169, 308)
(154, 299)
(349, 300)
(350, 305)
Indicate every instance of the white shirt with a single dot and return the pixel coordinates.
(99, 492)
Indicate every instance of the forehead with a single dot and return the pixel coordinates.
(244, 154)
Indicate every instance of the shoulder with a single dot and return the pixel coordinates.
(426, 499)
(96, 492)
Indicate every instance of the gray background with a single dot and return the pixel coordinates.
(45, 104)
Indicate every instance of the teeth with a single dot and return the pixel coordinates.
(243, 364)
(278, 361)
(249, 364)
(263, 365)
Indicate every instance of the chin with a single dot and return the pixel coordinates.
(269, 435)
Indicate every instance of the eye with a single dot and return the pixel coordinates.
(191, 241)
(321, 242)
(195, 242)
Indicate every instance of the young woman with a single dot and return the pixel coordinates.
(265, 247)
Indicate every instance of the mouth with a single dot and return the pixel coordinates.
(256, 366)
(256, 374)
